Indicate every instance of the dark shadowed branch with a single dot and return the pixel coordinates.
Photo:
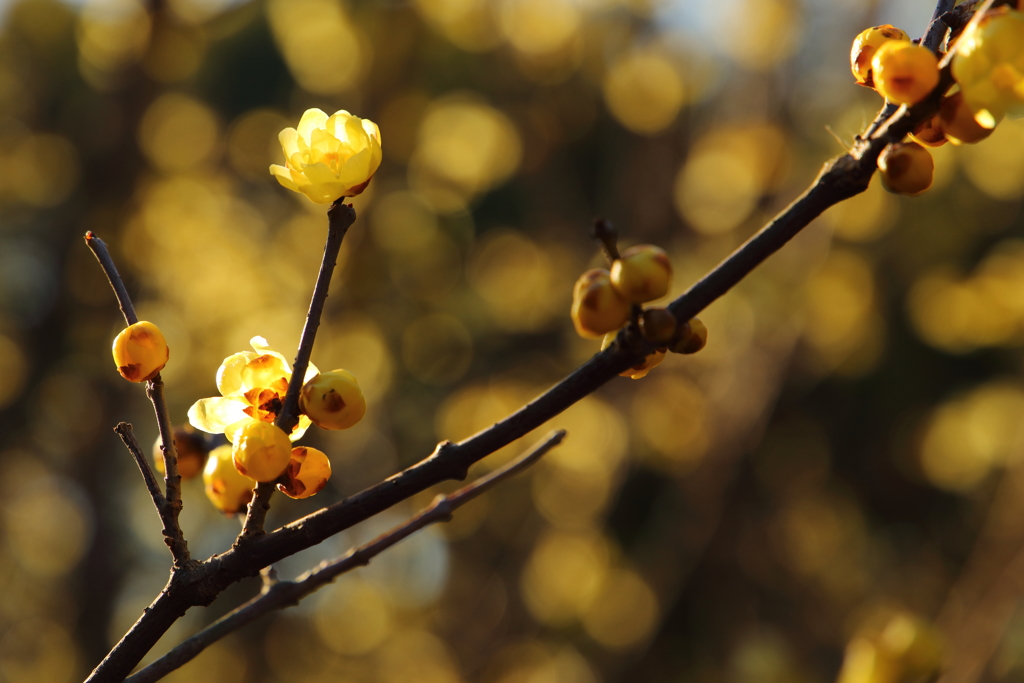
(280, 594)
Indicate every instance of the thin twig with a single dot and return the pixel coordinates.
(124, 430)
(340, 218)
(170, 505)
(102, 254)
(281, 594)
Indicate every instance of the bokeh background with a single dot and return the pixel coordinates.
(848, 447)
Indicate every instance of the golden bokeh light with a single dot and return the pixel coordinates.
(645, 91)
(866, 216)
(324, 49)
(353, 617)
(474, 407)
(401, 221)
(470, 24)
(539, 662)
(464, 147)
(968, 436)
(178, 132)
(624, 613)
(516, 278)
(539, 27)
(760, 34)
(672, 418)
(565, 575)
(39, 170)
(252, 143)
(996, 167)
(571, 499)
(36, 650)
(726, 173)
(13, 370)
(175, 52)
(110, 34)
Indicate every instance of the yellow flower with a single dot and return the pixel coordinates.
(989, 66)
(252, 386)
(329, 157)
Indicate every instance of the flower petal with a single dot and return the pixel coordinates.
(229, 374)
(311, 372)
(215, 414)
(289, 139)
(372, 130)
(261, 347)
(284, 176)
(264, 370)
(337, 123)
(311, 120)
(300, 429)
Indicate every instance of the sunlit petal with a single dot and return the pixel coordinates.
(215, 414)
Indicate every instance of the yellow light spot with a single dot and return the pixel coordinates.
(865, 217)
(178, 132)
(469, 24)
(645, 91)
(625, 612)
(564, 575)
(996, 167)
(538, 27)
(437, 349)
(253, 144)
(671, 417)
(37, 649)
(321, 45)
(353, 617)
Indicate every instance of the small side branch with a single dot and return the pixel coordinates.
(340, 218)
(280, 594)
(124, 430)
(170, 505)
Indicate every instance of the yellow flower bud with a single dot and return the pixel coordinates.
(643, 273)
(140, 352)
(864, 47)
(329, 157)
(904, 73)
(307, 473)
(228, 489)
(597, 307)
(958, 121)
(691, 338)
(657, 325)
(637, 371)
(333, 400)
(192, 451)
(930, 133)
(906, 168)
(260, 450)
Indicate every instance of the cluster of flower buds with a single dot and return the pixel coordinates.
(603, 302)
(989, 70)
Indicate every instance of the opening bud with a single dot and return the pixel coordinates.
(307, 473)
(657, 325)
(140, 351)
(904, 73)
(864, 47)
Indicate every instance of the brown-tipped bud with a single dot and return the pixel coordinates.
(140, 352)
(906, 168)
(261, 450)
(227, 488)
(597, 307)
(657, 325)
(307, 473)
(930, 133)
(192, 452)
(958, 121)
(642, 274)
(692, 337)
(865, 46)
(333, 400)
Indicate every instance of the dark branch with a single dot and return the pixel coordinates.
(340, 218)
(124, 430)
(280, 594)
(171, 505)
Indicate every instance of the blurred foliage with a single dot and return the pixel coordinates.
(847, 446)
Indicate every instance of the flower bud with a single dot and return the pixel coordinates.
(597, 308)
(307, 473)
(261, 450)
(906, 168)
(642, 274)
(226, 487)
(333, 400)
(192, 451)
(904, 73)
(989, 65)
(657, 325)
(958, 121)
(930, 133)
(637, 371)
(140, 351)
(692, 337)
(864, 47)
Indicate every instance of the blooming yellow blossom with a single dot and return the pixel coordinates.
(329, 157)
(989, 66)
(252, 386)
